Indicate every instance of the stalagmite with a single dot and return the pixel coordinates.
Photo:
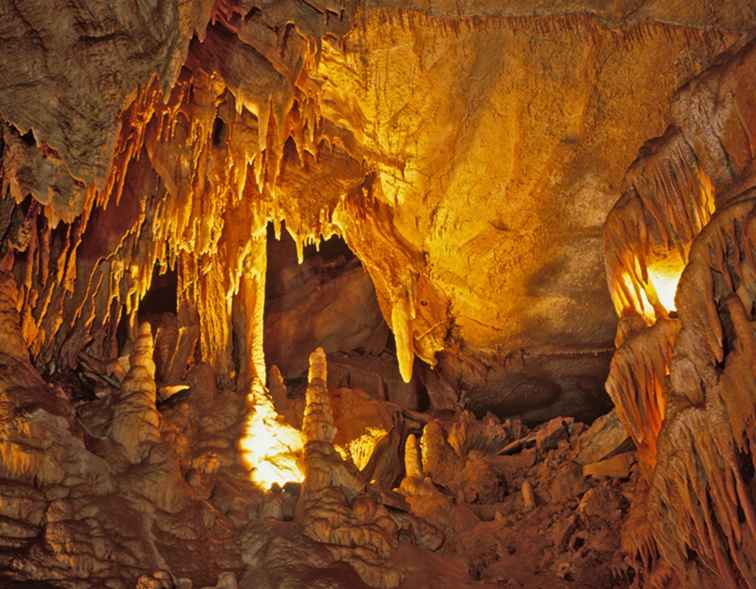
(136, 422)
(470, 157)
(363, 534)
(528, 497)
(318, 425)
(413, 467)
(277, 389)
(323, 466)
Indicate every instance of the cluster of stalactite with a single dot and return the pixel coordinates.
(242, 124)
(209, 152)
(637, 384)
(668, 202)
(685, 385)
(198, 170)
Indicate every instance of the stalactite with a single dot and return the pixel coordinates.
(672, 190)
(407, 299)
(11, 340)
(191, 157)
(401, 325)
(684, 388)
(655, 218)
(698, 499)
(27, 448)
(207, 154)
(637, 384)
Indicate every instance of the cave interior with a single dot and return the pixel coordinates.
(330, 294)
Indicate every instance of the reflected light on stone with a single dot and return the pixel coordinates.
(639, 300)
(360, 450)
(270, 447)
(663, 277)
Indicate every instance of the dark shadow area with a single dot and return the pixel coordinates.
(162, 295)
(329, 301)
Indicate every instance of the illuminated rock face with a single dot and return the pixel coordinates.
(683, 382)
(491, 168)
(431, 184)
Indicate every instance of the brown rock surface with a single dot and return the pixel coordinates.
(488, 165)
(618, 466)
(605, 437)
(328, 300)
(686, 397)
(325, 112)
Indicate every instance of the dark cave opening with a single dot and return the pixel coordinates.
(328, 300)
(161, 300)
(159, 307)
(162, 295)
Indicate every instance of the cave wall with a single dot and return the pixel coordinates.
(492, 167)
(682, 377)
(429, 190)
(326, 301)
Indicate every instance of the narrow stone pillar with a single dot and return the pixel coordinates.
(136, 422)
(318, 424)
(413, 467)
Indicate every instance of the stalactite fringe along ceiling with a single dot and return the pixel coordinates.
(515, 337)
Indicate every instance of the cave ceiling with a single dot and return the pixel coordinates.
(327, 293)
(468, 153)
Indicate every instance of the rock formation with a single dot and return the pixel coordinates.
(324, 293)
(683, 386)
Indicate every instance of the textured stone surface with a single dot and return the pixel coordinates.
(68, 73)
(327, 301)
(682, 378)
(469, 154)
(605, 436)
(305, 123)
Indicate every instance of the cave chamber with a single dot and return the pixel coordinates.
(350, 295)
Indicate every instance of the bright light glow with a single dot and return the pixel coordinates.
(664, 276)
(271, 448)
(361, 448)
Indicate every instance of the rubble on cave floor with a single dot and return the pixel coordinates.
(456, 502)
(442, 500)
(546, 522)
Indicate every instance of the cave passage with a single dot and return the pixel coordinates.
(329, 301)
(161, 298)
(527, 360)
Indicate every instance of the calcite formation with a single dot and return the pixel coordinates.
(136, 422)
(684, 386)
(324, 293)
